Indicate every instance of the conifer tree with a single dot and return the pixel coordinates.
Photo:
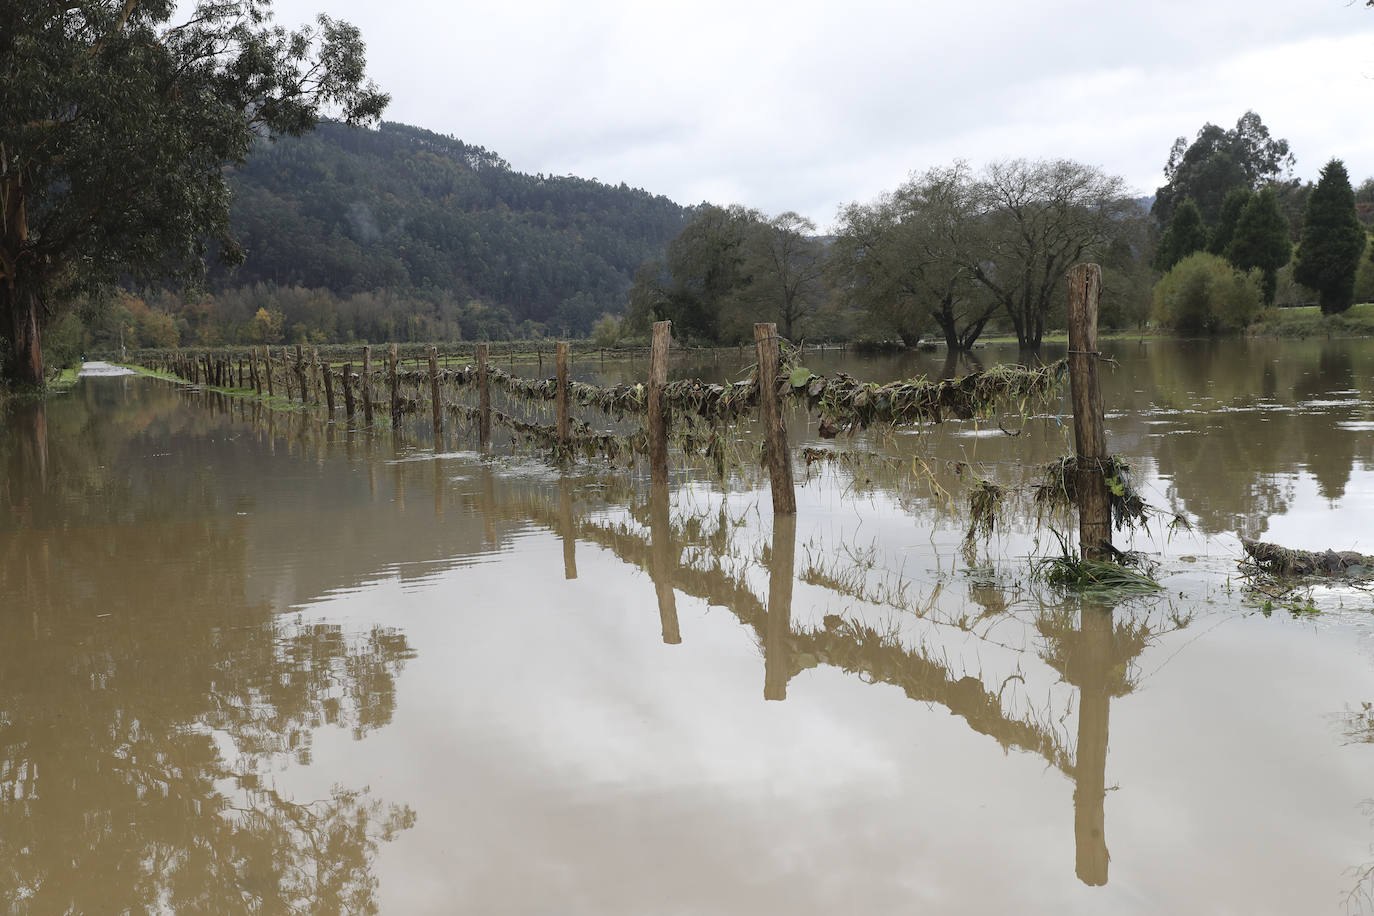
(1332, 240)
(1185, 235)
(1261, 241)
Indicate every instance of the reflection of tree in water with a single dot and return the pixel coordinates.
(144, 704)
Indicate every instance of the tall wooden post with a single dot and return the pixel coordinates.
(657, 422)
(561, 400)
(300, 375)
(435, 407)
(395, 390)
(366, 384)
(776, 450)
(777, 638)
(483, 397)
(253, 371)
(328, 383)
(267, 370)
(1089, 431)
(348, 391)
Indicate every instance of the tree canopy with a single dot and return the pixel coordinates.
(1332, 240)
(1185, 235)
(116, 127)
(1261, 241)
(1217, 161)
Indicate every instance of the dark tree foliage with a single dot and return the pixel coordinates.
(1185, 235)
(1261, 241)
(1231, 209)
(1217, 161)
(115, 128)
(416, 213)
(1332, 240)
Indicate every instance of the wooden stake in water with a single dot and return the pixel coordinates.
(776, 449)
(395, 390)
(1089, 429)
(561, 400)
(367, 385)
(483, 397)
(657, 422)
(267, 369)
(348, 391)
(435, 407)
(328, 384)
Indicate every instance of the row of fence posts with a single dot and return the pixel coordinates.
(1085, 283)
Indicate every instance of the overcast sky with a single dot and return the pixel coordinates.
(808, 106)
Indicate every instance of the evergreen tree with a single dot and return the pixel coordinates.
(1185, 235)
(1231, 209)
(1332, 240)
(1261, 241)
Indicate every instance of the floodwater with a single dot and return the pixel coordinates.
(252, 662)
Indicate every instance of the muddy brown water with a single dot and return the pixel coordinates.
(253, 662)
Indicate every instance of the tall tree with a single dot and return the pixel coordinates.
(1217, 161)
(784, 262)
(906, 258)
(1231, 209)
(1185, 235)
(1332, 240)
(1261, 241)
(116, 127)
(1041, 217)
(706, 270)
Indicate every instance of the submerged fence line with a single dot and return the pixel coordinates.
(693, 411)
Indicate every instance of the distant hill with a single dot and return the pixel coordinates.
(412, 212)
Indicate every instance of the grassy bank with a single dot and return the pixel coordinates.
(1308, 321)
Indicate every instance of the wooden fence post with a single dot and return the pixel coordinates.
(561, 399)
(328, 384)
(1089, 432)
(436, 407)
(483, 397)
(776, 450)
(658, 426)
(395, 390)
(348, 391)
(300, 375)
(253, 370)
(367, 385)
(267, 369)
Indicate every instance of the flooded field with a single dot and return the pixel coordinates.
(254, 662)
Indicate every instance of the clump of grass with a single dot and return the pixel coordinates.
(1102, 578)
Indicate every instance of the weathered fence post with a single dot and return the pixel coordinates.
(777, 649)
(483, 397)
(658, 425)
(1089, 432)
(300, 375)
(561, 399)
(435, 406)
(267, 369)
(253, 371)
(776, 450)
(348, 391)
(366, 384)
(328, 384)
(395, 391)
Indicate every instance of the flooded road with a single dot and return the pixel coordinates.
(256, 662)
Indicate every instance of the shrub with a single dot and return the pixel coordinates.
(1205, 294)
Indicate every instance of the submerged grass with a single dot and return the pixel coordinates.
(1095, 578)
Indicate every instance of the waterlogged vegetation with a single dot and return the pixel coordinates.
(423, 667)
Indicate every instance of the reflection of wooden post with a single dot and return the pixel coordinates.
(367, 385)
(561, 400)
(658, 427)
(776, 450)
(1090, 769)
(395, 390)
(483, 397)
(1090, 437)
(348, 390)
(663, 563)
(435, 407)
(566, 530)
(777, 645)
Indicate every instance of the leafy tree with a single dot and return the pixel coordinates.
(785, 262)
(907, 258)
(1217, 161)
(1332, 240)
(1204, 294)
(115, 128)
(1231, 209)
(1040, 218)
(1185, 235)
(706, 270)
(1261, 241)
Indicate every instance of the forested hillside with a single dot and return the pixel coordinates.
(410, 213)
